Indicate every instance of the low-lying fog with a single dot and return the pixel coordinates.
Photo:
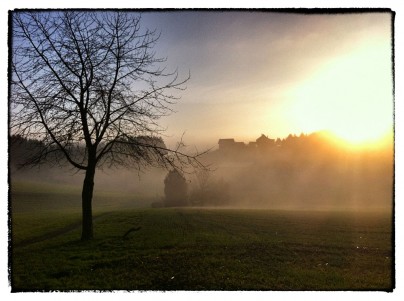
(310, 175)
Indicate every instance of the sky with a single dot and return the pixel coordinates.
(262, 72)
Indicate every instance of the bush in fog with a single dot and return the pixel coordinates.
(175, 189)
(209, 192)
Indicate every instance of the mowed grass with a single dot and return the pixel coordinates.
(201, 249)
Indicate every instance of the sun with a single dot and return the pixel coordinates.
(362, 142)
(351, 97)
(360, 134)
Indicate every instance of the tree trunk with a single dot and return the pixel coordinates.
(86, 199)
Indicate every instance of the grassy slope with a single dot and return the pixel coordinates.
(202, 249)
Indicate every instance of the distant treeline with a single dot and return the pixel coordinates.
(28, 152)
(264, 142)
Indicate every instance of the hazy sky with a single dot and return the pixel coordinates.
(277, 73)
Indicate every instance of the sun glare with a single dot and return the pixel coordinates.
(351, 97)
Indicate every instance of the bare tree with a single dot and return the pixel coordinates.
(203, 180)
(175, 189)
(89, 86)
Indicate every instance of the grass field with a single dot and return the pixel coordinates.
(198, 249)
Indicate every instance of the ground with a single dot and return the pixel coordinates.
(200, 249)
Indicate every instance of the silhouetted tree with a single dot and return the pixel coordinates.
(175, 189)
(88, 85)
(199, 194)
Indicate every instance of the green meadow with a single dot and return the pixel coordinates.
(192, 248)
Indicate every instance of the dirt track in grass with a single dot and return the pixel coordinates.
(55, 233)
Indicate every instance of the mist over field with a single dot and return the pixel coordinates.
(141, 183)
(306, 172)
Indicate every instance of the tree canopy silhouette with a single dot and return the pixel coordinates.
(88, 85)
(175, 189)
